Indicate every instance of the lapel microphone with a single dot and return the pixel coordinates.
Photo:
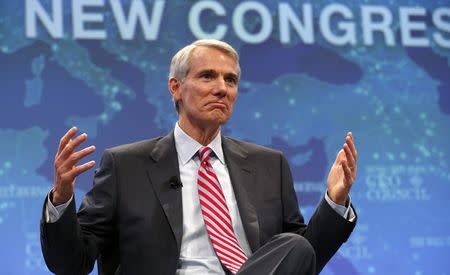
(175, 183)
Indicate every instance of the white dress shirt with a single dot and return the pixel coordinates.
(197, 254)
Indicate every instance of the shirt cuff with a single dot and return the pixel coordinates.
(346, 212)
(53, 213)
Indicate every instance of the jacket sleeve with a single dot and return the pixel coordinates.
(326, 230)
(72, 244)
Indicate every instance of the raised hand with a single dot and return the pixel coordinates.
(66, 165)
(343, 172)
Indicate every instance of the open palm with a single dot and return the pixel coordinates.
(343, 172)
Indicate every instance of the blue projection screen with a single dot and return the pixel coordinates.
(311, 71)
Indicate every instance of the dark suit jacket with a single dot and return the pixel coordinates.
(131, 220)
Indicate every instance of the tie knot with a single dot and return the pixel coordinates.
(204, 153)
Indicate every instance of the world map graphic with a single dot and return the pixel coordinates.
(300, 99)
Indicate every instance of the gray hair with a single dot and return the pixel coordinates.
(179, 67)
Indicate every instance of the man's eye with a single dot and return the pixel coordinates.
(207, 76)
(231, 80)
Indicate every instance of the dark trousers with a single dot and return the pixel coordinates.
(286, 253)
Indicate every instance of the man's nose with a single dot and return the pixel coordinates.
(221, 87)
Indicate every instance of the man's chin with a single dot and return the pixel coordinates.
(219, 117)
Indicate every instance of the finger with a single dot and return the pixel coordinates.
(77, 156)
(69, 163)
(65, 139)
(351, 143)
(350, 134)
(77, 170)
(347, 173)
(339, 157)
(86, 151)
(71, 146)
(351, 162)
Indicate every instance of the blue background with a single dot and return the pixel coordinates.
(298, 98)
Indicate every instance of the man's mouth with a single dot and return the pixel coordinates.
(219, 105)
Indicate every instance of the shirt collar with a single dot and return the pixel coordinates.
(187, 147)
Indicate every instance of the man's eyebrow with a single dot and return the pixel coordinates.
(214, 72)
(210, 71)
(235, 75)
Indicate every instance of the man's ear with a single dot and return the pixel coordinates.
(174, 88)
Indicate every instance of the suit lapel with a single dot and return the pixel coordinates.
(162, 173)
(243, 178)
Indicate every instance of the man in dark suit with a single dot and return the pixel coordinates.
(194, 201)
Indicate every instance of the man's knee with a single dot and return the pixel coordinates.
(300, 245)
(285, 253)
(301, 257)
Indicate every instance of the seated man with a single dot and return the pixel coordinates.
(193, 201)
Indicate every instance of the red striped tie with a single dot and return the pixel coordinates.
(216, 215)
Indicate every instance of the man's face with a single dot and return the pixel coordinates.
(207, 94)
